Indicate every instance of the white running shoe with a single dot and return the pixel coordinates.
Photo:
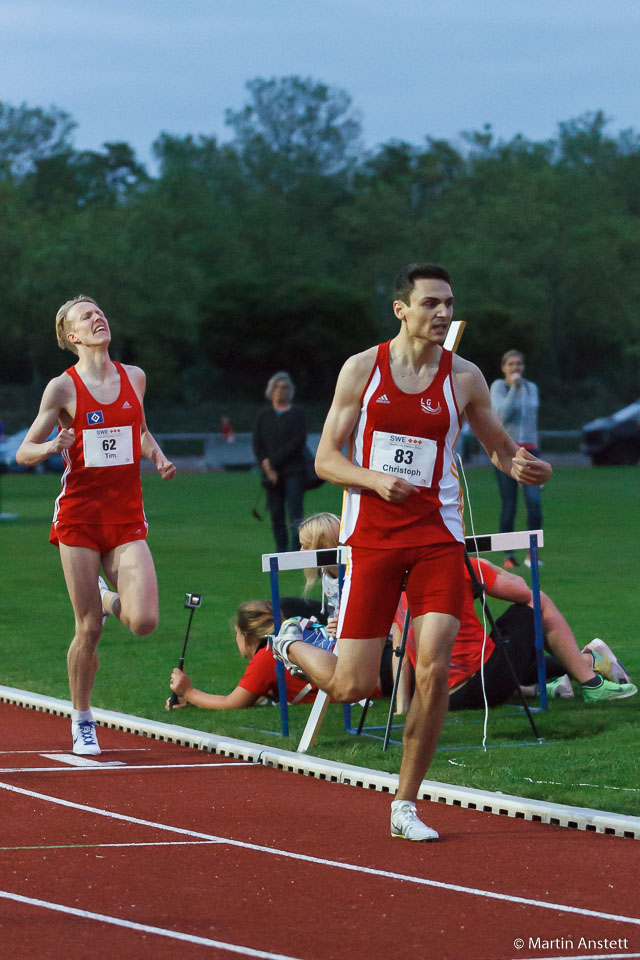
(290, 631)
(85, 741)
(103, 588)
(405, 822)
(605, 662)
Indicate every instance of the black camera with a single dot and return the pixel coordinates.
(192, 600)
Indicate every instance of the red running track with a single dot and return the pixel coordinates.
(176, 850)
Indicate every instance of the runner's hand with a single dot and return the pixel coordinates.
(166, 469)
(62, 441)
(528, 469)
(393, 489)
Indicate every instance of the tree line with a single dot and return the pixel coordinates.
(277, 248)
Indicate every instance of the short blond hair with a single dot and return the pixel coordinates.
(63, 324)
(320, 531)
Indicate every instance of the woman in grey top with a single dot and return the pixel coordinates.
(515, 402)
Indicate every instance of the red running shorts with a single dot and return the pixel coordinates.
(374, 580)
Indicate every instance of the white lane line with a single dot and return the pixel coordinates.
(355, 868)
(73, 760)
(145, 928)
(118, 765)
(144, 843)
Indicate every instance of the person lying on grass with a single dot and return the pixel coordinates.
(254, 623)
(596, 668)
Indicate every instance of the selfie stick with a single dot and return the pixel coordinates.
(191, 601)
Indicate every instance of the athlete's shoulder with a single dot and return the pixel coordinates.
(356, 372)
(361, 364)
(468, 373)
(61, 389)
(461, 365)
(137, 378)
(133, 372)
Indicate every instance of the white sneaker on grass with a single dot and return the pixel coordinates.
(405, 822)
(85, 740)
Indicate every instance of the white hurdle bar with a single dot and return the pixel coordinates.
(273, 563)
(305, 559)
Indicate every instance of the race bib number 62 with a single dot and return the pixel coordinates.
(413, 458)
(107, 446)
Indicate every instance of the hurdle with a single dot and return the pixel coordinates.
(274, 563)
(487, 543)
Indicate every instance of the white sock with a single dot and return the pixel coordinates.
(79, 716)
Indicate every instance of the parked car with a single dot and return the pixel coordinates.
(614, 440)
(9, 448)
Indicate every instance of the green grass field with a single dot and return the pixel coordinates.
(205, 539)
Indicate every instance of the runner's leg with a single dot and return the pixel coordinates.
(350, 676)
(130, 569)
(81, 566)
(435, 634)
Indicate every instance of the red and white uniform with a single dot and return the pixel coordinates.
(466, 655)
(101, 479)
(410, 435)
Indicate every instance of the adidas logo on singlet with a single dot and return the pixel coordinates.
(383, 399)
(126, 405)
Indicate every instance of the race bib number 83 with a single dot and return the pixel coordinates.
(413, 458)
(107, 446)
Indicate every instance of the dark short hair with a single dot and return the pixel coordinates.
(405, 280)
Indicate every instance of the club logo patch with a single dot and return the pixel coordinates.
(427, 408)
(95, 417)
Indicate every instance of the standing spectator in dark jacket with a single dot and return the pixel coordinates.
(279, 441)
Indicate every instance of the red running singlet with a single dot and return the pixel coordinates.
(411, 435)
(101, 479)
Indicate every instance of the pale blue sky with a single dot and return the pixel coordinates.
(129, 69)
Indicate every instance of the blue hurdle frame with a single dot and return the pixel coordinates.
(273, 563)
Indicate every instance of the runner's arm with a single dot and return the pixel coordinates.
(331, 463)
(35, 448)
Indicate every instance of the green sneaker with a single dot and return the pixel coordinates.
(560, 687)
(609, 691)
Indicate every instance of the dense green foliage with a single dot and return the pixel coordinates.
(205, 539)
(278, 247)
